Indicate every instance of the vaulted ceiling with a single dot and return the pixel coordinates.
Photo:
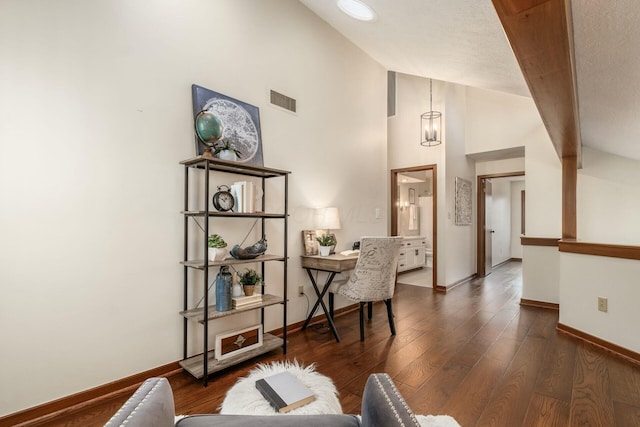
(463, 41)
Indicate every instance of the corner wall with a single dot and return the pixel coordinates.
(96, 114)
(404, 150)
(608, 201)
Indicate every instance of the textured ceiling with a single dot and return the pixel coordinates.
(607, 54)
(462, 41)
(459, 41)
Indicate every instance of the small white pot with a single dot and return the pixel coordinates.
(217, 254)
(324, 250)
(228, 155)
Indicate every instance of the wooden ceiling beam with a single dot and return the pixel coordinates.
(541, 36)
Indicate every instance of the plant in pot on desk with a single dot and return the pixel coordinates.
(326, 241)
(217, 248)
(249, 279)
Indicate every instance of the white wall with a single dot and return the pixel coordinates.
(404, 149)
(500, 166)
(608, 201)
(584, 278)
(541, 273)
(460, 240)
(543, 218)
(543, 186)
(608, 198)
(456, 244)
(96, 114)
(498, 121)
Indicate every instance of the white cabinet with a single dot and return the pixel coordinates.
(412, 253)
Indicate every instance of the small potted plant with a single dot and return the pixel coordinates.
(326, 241)
(249, 279)
(217, 248)
(225, 151)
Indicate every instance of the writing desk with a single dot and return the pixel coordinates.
(332, 264)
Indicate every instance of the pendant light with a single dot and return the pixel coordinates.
(431, 124)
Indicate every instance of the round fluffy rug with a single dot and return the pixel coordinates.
(437, 421)
(245, 399)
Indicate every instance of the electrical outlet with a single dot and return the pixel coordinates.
(300, 291)
(602, 304)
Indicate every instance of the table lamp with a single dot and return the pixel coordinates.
(327, 219)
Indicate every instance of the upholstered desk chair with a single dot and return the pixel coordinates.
(374, 276)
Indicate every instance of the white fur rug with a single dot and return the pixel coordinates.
(244, 397)
(437, 421)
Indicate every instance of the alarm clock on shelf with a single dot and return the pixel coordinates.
(223, 200)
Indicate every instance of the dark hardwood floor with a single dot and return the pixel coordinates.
(474, 354)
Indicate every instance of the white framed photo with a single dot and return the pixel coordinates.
(230, 343)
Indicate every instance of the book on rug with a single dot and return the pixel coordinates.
(284, 391)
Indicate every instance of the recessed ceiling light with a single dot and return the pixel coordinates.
(357, 10)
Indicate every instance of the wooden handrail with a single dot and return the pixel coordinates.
(539, 241)
(600, 249)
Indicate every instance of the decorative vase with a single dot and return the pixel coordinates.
(249, 289)
(224, 282)
(228, 155)
(217, 254)
(324, 250)
(237, 290)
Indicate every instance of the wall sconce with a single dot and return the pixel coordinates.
(431, 124)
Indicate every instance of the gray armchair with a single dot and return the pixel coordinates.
(152, 406)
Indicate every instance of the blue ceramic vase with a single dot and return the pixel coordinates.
(224, 285)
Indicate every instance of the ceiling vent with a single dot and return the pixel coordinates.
(283, 101)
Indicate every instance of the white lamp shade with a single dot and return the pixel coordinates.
(327, 218)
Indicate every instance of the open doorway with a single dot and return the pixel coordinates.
(500, 219)
(414, 217)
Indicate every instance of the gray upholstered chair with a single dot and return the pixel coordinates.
(374, 277)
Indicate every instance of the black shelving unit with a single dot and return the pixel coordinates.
(203, 364)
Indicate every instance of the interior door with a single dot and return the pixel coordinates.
(488, 230)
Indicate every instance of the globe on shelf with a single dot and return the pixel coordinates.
(209, 131)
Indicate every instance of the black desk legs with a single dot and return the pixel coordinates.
(320, 295)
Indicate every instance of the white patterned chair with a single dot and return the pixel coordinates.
(374, 277)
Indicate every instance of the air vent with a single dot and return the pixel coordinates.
(391, 93)
(283, 101)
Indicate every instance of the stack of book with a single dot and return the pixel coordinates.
(245, 194)
(239, 302)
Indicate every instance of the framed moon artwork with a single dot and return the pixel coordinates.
(241, 126)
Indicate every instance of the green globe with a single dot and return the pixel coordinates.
(208, 128)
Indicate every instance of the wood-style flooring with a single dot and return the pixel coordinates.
(473, 353)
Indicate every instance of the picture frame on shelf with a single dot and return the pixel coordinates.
(309, 242)
(232, 343)
(241, 132)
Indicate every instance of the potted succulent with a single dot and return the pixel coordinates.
(217, 248)
(326, 241)
(249, 279)
(225, 151)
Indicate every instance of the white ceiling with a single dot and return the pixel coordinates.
(462, 41)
